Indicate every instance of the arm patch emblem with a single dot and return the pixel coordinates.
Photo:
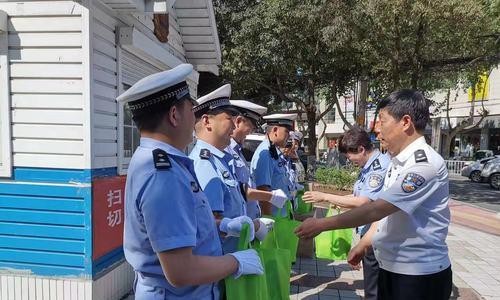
(375, 180)
(412, 182)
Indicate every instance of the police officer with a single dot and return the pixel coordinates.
(245, 123)
(358, 148)
(170, 237)
(268, 166)
(214, 126)
(409, 242)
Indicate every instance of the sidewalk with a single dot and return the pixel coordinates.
(474, 244)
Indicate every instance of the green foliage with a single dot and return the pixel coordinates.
(342, 179)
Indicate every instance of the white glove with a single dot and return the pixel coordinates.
(299, 187)
(232, 227)
(266, 225)
(248, 263)
(278, 198)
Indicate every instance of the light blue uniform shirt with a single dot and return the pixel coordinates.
(266, 170)
(241, 170)
(412, 241)
(371, 180)
(165, 209)
(219, 184)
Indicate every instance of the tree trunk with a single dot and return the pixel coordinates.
(363, 97)
(312, 140)
(447, 145)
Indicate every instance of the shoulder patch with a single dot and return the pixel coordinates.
(376, 165)
(205, 154)
(375, 180)
(420, 156)
(161, 160)
(412, 182)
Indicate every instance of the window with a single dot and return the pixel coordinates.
(131, 135)
(5, 127)
(330, 116)
(128, 135)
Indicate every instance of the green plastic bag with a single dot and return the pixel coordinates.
(277, 267)
(283, 233)
(333, 244)
(251, 287)
(302, 207)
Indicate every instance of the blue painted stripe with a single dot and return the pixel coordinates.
(101, 265)
(42, 217)
(43, 230)
(62, 175)
(104, 172)
(41, 244)
(42, 203)
(52, 175)
(41, 257)
(51, 190)
(44, 270)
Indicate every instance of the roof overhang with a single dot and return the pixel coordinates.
(139, 6)
(198, 28)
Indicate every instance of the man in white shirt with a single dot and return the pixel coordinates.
(409, 242)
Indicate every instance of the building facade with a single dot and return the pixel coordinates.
(485, 136)
(65, 143)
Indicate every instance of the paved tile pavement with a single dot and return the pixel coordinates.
(475, 264)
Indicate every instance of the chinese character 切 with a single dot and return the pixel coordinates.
(114, 217)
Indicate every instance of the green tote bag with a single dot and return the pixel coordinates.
(277, 267)
(302, 207)
(284, 236)
(333, 244)
(247, 287)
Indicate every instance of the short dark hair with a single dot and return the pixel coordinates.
(151, 120)
(354, 138)
(407, 102)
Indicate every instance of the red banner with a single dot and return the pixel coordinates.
(108, 196)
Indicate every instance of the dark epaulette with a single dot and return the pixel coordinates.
(420, 156)
(161, 160)
(243, 190)
(205, 154)
(273, 151)
(376, 165)
(195, 187)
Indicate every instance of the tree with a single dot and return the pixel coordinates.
(418, 44)
(279, 53)
(299, 52)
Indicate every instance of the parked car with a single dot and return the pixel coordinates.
(250, 144)
(480, 154)
(473, 170)
(491, 173)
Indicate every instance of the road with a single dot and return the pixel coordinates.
(478, 194)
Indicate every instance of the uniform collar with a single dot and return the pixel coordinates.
(204, 145)
(372, 158)
(154, 144)
(409, 151)
(234, 145)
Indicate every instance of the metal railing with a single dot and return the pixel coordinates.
(455, 166)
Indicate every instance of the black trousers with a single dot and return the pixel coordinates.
(393, 286)
(370, 275)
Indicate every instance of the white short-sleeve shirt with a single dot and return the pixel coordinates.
(412, 240)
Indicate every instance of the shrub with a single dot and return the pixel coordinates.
(341, 179)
